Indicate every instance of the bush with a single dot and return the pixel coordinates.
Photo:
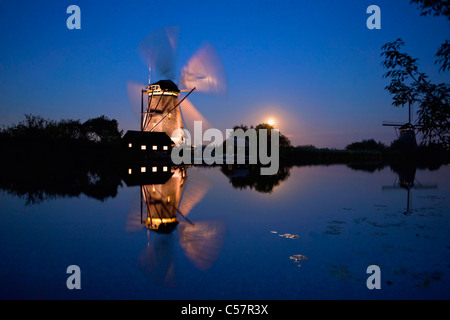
(366, 145)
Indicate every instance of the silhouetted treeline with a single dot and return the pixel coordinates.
(369, 152)
(45, 159)
(38, 140)
(99, 129)
(370, 144)
(310, 155)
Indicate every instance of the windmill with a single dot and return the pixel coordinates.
(407, 181)
(407, 136)
(161, 107)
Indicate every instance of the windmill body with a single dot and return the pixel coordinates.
(407, 137)
(162, 104)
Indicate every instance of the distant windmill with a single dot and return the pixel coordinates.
(407, 181)
(407, 136)
(160, 108)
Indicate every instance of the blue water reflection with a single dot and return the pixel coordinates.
(216, 233)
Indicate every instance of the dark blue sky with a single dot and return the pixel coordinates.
(312, 65)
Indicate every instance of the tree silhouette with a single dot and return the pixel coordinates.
(411, 86)
(102, 129)
(434, 7)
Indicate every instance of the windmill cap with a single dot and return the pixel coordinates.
(168, 85)
(407, 126)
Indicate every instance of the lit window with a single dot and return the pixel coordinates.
(154, 169)
(143, 147)
(168, 198)
(155, 147)
(143, 169)
(169, 116)
(154, 189)
(165, 148)
(130, 145)
(165, 169)
(129, 171)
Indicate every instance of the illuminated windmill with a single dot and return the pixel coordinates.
(407, 136)
(162, 108)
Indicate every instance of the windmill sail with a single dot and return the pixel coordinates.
(202, 242)
(134, 218)
(196, 187)
(158, 51)
(190, 114)
(159, 112)
(134, 89)
(204, 71)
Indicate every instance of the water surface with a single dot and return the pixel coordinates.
(309, 233)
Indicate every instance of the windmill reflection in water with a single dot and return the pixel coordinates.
(167, 197)
(407, 181)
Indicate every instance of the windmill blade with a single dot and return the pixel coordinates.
(158, 51)
(426, 187)
(392, 124)
(157, 261)
(134, 97)
(204, 71)
(397, 187)
(189, 114)
(195, 188)
(134, 216)
(202, 242)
